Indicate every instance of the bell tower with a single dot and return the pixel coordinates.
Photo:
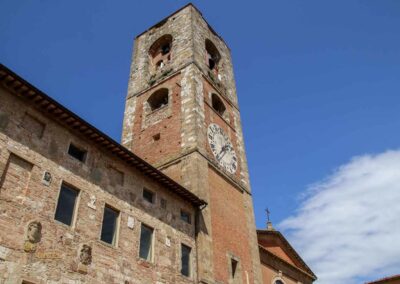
(182, 116)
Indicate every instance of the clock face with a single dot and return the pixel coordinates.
(222, 148)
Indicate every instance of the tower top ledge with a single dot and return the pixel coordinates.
(176, 12)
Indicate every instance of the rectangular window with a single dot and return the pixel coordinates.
(109, 226)
(148, 195)
(76, 152)
(185, 216)
(66, 205)
(185, 260)
(146, 243)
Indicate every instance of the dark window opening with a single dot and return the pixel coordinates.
(185, 216)
(161, 46)
(234, 264)
(146, 243)
(213, 55)
(217, 104)
(109, 226)
(66, 205)
(148, 195)
(77, 153)
(211, 63)
(158, 99)
(185, 260)
(165, 48)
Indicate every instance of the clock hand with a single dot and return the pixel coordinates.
(222, 153)
(222, 150)
(220, 157)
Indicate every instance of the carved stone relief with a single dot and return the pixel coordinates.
(33, 236)
(47, 178)
(92, 202)
(85, 255)
(85, 259)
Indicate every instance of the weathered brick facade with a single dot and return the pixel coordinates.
(226, 229)
(27, 153)
(181, 83)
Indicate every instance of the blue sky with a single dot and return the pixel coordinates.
(318, 81)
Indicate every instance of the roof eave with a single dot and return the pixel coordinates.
(52, 108)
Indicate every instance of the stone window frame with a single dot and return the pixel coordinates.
(148, 108)
(153, 243)
(117, 229)
(211, 49)
(76, 207)
(154, 55)
(278, 277)
(191, 260)
(79, 146)
(152, 117)
(155, 197)
(226, 115)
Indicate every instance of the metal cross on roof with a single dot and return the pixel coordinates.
(268, 213)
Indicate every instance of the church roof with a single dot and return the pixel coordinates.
(391, 279)
(57, 112)
(294, 258)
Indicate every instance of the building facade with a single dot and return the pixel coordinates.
(77, 207)
(280, 263)
(182, 116)
(171, 204)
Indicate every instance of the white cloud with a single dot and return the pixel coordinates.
(348, 226)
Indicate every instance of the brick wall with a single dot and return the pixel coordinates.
(165, 122)
(25, 154)
(228, 222)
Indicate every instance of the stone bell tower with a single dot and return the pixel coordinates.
(182, 116)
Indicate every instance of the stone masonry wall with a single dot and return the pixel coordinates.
(28, 149)
(180, 28)
(191, 164)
